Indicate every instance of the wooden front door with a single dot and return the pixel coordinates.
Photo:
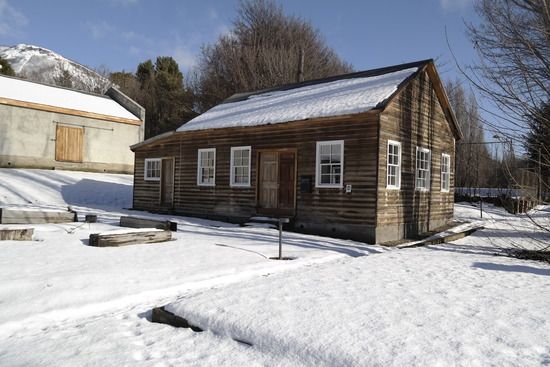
(287, 180)
(277, 182)
(269, 180)
(69, 143)
(167, 182)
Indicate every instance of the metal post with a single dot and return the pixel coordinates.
(481, 206)
(281, 221)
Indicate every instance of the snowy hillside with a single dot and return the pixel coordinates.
(43, 65)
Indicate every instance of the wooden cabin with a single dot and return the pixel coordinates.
(367, 155)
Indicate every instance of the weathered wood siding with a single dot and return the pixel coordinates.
(370, 212)
(329, 207)
(415, 118)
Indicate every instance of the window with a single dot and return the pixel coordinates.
(240, 166)
(422, 168)
(152, 169)
(393, 179)
(206, 167)
(330, 163)
(445, 172)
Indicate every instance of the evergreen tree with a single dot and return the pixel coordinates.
(5, 68)
(159, 88)
(172, 101)
(538, 145)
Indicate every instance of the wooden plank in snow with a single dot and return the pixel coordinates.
(16, 234)
(35, 216)
(129, 238)
(161, 316)
(135, 222)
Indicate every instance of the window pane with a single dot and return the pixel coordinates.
(330, 163)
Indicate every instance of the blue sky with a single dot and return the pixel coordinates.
(121, 33)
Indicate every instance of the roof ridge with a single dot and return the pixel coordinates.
(237, 97)
(56, 86)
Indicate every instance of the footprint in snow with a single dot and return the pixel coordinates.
(140, 355)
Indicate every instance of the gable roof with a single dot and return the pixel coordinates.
(24, 93)
(334, 96)
(381, 86)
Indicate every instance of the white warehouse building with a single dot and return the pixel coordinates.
(44, 126)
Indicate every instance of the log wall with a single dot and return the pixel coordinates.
(415, 118)
(323, 206)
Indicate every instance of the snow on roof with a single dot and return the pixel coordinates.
(26, 91)
(334, 98)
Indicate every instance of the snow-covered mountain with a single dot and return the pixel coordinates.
(43, 65)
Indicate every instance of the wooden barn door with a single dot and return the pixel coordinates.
(277, 183)
(69, 143)
(167, 182)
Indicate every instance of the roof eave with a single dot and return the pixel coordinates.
(154, 139)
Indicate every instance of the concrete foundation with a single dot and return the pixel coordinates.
(397, 232)
(46, 163)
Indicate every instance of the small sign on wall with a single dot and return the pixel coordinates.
(305, 183)
(348, 189)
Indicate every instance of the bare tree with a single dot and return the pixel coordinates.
(513, 44)
(474, 164)
(265, 48)
(513, 74)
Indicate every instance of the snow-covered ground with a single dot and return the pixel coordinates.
(455, 304)
(65, 303)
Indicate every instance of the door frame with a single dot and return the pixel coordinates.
(162, 180)
(292, 211)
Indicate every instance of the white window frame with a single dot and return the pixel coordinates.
(232, 182)
(417, 170)
(447, 157)
(398, 165)
(318, 164)
(146, 177)
(199, 167)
